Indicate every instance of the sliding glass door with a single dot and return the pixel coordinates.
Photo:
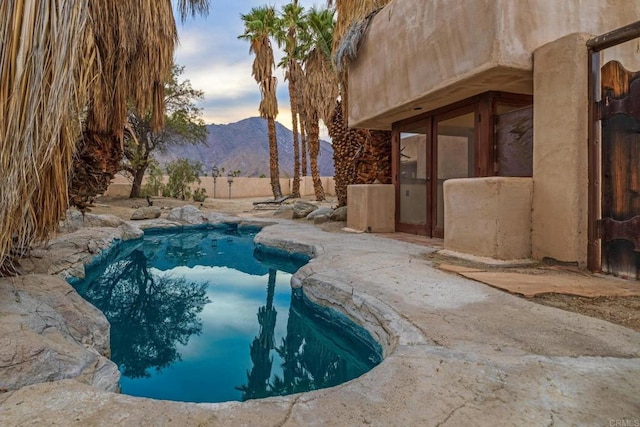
(413, 179)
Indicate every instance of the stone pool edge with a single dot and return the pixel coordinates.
(96, 237)
(482, 356)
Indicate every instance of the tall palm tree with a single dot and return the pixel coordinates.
(361, 156)
(68, 68)
(290, 23)
(321, 86)
(259, 25)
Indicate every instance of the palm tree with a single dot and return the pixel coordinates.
(321, 86)
(68, 69)
(361, 156)
(290, 23)
(259, 24)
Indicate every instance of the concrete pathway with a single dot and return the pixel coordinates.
(457, 353)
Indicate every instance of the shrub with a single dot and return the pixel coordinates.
(199, 195)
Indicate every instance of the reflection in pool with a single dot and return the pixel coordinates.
(204, 316)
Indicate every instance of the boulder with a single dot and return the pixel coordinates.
(187, 214)
(74, 221)
(339, 214)
(301, 209)
(324, 211)
(284, 211)
(130, 232)
(146, 212)
(66, 254)
(49, 333)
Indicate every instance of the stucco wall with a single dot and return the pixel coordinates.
(489, 217)
(371, 207)
(560, 168)
(241, 187)
(430, 53)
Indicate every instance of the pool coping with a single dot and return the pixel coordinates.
(455, 351)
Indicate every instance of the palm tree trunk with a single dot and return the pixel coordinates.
(273, 159)
(374, 164)
(303, 142)
(314, 150)
(293, 94)
(96, 162)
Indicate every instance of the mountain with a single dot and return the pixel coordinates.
(244, 146)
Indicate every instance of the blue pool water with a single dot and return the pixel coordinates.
(205, 316)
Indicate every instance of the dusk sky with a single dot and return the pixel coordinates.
(219, 64)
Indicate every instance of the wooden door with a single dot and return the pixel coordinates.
(619, 227)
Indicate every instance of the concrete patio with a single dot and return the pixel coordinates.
(456, 352)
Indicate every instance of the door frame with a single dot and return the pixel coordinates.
(485, 163)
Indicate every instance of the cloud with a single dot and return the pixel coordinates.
(219, 64)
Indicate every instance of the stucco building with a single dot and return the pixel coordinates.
(489, 105)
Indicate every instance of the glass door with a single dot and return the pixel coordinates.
(413, 190)
(455, 154)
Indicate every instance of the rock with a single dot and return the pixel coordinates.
(339, 214)
(324, 211)
(49, 333)
(187, 214)
(284, 211)
(74, 221)
(320, 219)
(146, 212)
(301, 209)
(130, 232)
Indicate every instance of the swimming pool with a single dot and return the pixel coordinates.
(206, 316)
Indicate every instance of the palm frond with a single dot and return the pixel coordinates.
(41, 95)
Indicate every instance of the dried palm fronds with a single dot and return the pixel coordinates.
(42, 62)
(134, 44)
(65, 63)
(353, 20)
(268, 102)
(321, 85)
(350, 11)
(347, 49)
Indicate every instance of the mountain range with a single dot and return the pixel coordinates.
(244, 146)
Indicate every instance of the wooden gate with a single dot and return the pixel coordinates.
(620, 124)
(617, 225)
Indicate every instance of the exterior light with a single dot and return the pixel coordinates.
(215, 173)
(230, 181)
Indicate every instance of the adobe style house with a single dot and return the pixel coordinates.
(493, 120)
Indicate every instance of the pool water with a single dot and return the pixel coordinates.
(205, 316)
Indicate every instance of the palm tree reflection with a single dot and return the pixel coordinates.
(314, 354)
(258, 377)
(157, 313)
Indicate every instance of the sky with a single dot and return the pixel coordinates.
(219, 63)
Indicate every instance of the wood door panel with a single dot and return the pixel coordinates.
(619, 227)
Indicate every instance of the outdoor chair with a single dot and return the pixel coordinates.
(270, 204)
